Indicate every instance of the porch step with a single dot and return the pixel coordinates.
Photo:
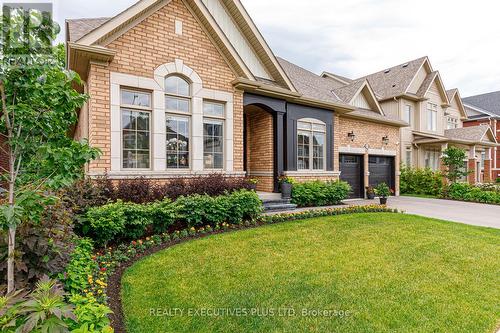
(278, 205)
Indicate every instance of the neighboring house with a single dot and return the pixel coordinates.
(414, 92)
(183, 88)
(484, 109)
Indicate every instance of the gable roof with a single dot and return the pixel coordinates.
(309, 84)
(489, 102)
(473, 134)
(350, 91)
(78, 28)
(454, 94)
(395, 81)
(114, 27)
(336, 77)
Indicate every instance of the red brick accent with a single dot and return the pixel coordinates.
(495, 158)
(487, 171)
(472, 169)
(260, 144)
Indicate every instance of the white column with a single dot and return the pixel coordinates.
(197, 134)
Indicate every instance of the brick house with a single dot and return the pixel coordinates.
(190, 87)
(484, 110)
(414, 92)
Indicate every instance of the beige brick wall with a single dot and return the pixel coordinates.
(370, 134)
(260, 143)
(99, 115)
(140, 51)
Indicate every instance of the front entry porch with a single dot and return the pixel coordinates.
(282, 138)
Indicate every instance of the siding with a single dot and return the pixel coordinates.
(236, 38)
(361, 102)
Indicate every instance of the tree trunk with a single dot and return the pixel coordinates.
(12, 230)
(10, 260)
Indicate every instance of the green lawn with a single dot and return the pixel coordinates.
(427, 196)
(391, 272)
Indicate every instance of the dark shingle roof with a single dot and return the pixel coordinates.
(471, 134)
(394, 81)
(488, 102)
(309, 84)
(78, 28)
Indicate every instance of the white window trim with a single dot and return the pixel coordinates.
(136, 108)
(158, 130)
(311, 132)
(224, 131)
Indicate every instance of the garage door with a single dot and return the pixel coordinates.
(351, 171)
(381, 170)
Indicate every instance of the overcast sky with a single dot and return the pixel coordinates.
(358, 37)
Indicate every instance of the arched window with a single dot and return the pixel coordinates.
(178, 110)
(311, 144)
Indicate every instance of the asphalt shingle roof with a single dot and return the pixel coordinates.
(488, 102)
(78, 28)
(309, 84)
(472, 134)
(394, 81)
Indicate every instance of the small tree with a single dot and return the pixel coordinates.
(453, 159)
(37, 109)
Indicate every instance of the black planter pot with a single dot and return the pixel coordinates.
(370, 195)
(286, 190)
(383, 201)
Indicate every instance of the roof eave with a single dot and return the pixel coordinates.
(79, 57)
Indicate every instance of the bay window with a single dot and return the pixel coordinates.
(135, 108)
(178, 122)
(311, 144)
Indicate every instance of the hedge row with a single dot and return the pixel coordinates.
(121, 221)
(466, 192)
(318, 193)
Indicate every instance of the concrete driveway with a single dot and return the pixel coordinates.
(457, 211)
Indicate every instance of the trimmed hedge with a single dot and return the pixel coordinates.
(318, 193)
(122, 221)
(421, 181)
(466, 192)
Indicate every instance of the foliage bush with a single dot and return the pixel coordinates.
(91, 193)
(318, 193)
(498, 180)
(466, 192)
(420, 181)
(383, 190)
(42, 248)
(120, 221)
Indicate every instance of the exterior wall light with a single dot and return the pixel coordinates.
(351, 136)
(385, 140)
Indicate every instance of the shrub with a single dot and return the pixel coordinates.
(124, 221)
(116, 221)
(466, 192)
(80, 267)
(42, 248)
(85, 194)
(420, 181)
(498, 180)
(318, 193)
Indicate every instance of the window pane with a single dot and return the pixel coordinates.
(213, 109)
(177, 144)
(136, 98)
(135, 139)
(303, 163)
(319, 128)
(318, 164)
(304, 126)
(173, 104)
(176, 86)
(319, 139)
(213, 144)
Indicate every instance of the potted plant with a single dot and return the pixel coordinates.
(286, 184)
(383, 191)
(253, 183)
(370, 192)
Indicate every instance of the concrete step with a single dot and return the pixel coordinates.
(280, 207)
(275, 201)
